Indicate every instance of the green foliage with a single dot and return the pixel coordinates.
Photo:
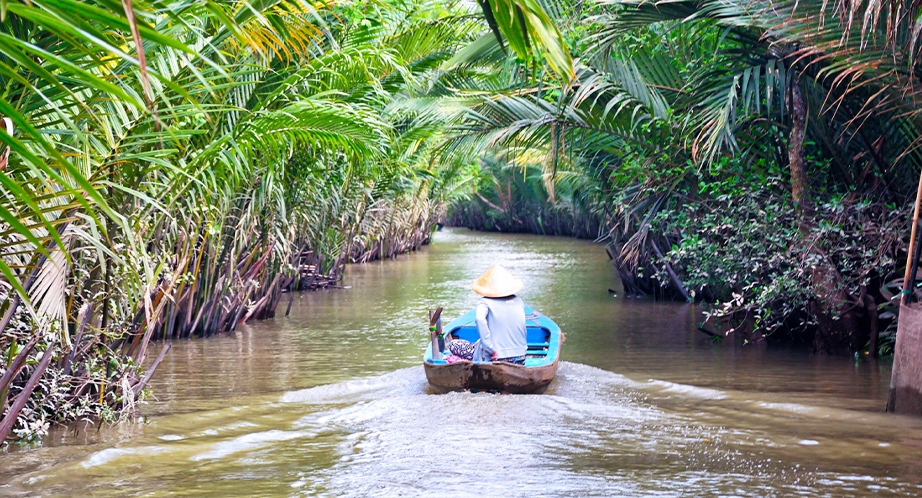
(739, 254)
(174, 182)
(748, 255)
(512, 198)
(677, 128)
(176, 166)
(528, 29)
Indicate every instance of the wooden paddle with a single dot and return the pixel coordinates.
(912, 252)
(435, 332)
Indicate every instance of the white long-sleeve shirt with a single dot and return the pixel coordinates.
(501, 324)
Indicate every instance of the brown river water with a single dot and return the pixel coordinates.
(332, 401)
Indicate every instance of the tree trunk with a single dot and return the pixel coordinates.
(870, 307)
(837, 326)
(796, 154)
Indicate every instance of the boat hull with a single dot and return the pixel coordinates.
(498, 376)
(543, 337)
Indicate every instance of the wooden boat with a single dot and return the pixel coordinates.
(540, 367)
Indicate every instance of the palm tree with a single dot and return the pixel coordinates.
(177, 165)
(667, 90)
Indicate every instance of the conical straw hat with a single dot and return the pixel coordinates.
(497, 282)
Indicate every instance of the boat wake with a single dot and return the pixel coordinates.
(593, 433)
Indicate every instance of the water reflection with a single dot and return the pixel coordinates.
(332, 401)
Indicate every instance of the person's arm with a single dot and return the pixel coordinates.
(485, 339)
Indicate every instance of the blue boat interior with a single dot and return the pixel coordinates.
(538, 337)
(543, 337)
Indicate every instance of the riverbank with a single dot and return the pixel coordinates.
(98, 377)
(189, 197)
(745, 255)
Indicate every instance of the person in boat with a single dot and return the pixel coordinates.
(500, 320)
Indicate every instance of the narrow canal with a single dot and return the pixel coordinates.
(332, 401)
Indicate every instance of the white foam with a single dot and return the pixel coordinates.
(249, 442)
(785, 407)
(686, 390)
(857, 478)
(406, 381)
(808, 442)
(238, 425)
(109, 454)
(579, 372)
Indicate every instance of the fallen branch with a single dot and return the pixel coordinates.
(10, 419)
(488, 203)
(150, 371)
(672, 275)
(13, 370)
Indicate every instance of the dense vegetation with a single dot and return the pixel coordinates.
(177, 166)
(759, 155)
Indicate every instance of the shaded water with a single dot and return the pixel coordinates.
(332, 400)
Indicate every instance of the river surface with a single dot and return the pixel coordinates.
(332, 401)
